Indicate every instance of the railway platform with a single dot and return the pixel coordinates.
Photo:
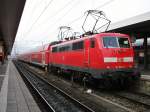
(14, 95)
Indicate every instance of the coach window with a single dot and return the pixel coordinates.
(92, 43)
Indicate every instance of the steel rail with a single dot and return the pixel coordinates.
(84, 107)
(135, 97)
(21, 70)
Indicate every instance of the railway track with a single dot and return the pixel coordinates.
(140, 99)
(55, 99)
(134, 102)
(137, 97)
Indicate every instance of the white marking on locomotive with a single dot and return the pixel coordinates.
(110, 59)
(128, 59)
(115, 59)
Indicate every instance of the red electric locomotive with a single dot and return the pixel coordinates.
(96, 55)
(100, 56)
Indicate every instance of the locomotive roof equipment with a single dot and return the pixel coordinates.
(64, 32)
(97, 16)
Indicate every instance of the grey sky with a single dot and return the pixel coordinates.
(37, 28)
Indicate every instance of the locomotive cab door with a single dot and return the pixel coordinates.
(86, 53)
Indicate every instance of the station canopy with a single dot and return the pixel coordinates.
(138, 25)
(10, 14)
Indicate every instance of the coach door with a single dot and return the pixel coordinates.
(86, 53)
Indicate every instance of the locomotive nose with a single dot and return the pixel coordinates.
(118, 58)
(117, 52)
(123, 55)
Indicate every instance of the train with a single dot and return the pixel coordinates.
(106, 57)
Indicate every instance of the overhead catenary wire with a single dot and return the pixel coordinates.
(78, 18)
(106, 3)
(82, 15)
(71, 22)
(64, 15)
(58, 11)
(36, 6)
(39, 16)
(33, 10)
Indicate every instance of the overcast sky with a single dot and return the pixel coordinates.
(41, 18)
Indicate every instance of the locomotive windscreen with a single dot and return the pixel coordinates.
(116, 42)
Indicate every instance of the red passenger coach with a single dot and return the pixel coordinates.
(38, 56)
(98, 56)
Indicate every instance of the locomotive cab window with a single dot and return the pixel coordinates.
(123, 42)
(116, 42)
(110, 42)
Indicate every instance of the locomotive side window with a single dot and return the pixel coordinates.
(123, 42)
(92, 43)
(110, 42)
(60, 49)
(54, 49)
(64, 48)
(77, 45)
